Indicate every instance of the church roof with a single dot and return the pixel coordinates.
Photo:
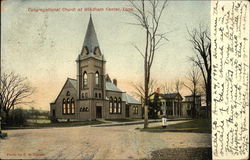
(129, 99)
(90, 40)
(73, 82)
(111, 87)
(90, 43)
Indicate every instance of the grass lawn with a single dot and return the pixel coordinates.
(38, 121)
(59, 124)
(196, 126)
(122, 120)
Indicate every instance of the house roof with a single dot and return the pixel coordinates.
(169, 95)
(129, 99)
(111, 87)
(193, 95)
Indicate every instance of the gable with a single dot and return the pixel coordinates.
(70, 85)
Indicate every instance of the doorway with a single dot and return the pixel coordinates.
(127, 111)
(98, 112)
(53, 113)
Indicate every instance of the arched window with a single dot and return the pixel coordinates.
(68, 93)
(85, 79)
(64, 106)
(115, 105)
(100, 95)
(135, 109)
(72, 106)
(97, 78)
(86, 95)
(82, 95)
(119, 106)
(111, 105)
(68, 106)
(96, 95)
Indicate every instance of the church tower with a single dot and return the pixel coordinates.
(90, 71)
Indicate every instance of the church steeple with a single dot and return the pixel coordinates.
(90, 41)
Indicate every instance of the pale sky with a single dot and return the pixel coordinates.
(43, 46)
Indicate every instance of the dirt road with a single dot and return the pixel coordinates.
(86, 142)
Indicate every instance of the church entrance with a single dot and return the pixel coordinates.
(127, 111)
(98, 112)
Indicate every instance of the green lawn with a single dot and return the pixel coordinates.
(197, 126)
(38, 121)
(59, 124)
(122, 120)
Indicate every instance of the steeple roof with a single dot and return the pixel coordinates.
(90, 40)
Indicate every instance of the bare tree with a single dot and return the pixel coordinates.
(193, 81)
(14, 90)
(178, 85)
(140, 90)
(148, 15)
(167, 87)
(201, 42)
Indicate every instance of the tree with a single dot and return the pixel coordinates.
(193, 81)
(154, 106)
(140, 90)
(167, 87)
(14, 90)
(148, 15)
(201, 42)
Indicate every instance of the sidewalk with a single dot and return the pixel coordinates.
(136, 122)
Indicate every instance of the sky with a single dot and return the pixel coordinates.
(43, 46)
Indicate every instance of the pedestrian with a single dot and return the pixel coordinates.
(164, 121)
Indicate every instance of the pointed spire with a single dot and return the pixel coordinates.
(90, 40)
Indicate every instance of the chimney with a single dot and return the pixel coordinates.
(158, 90)
(115, 82)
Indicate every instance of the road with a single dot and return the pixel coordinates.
(86, 142)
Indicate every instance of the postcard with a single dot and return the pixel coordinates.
(134, 79)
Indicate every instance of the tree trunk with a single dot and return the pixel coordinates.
(146, 116)
(194, 109)
(7, 118)
(146, 104)
(208, 96)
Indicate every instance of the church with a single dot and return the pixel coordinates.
(93, 95)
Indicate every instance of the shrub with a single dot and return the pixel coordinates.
(53, 119)
(3, 135)
(18, 117)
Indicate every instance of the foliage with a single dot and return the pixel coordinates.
(14, 90)
(18, 116)
(154, 106)
(53, 119)
(3, 135)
